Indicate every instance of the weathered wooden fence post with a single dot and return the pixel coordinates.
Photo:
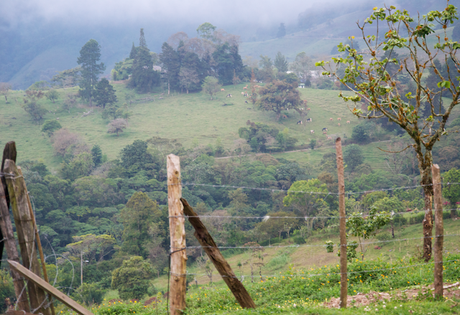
(439, 232)
(26, 233)
(7, 228)
(216, 257)
(343, 232)
(39, 242)
(177, 234)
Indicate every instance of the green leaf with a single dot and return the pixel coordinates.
(444, 84)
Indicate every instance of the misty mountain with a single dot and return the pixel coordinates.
(40, 38)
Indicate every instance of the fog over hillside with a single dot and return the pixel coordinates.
(38, 38)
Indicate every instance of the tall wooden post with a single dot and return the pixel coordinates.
(26, 233)
(343, 232)
(7, 228)
(439, 232)
(177, 235)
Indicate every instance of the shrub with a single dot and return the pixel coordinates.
(279, 261)
(50, 126)
(299, 240)
(384, 236)
(66, 142)
(132, 278)
(89, 293)
(399, 220)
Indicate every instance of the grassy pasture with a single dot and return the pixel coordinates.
(301, 280)
(190, 118)
(279, 260)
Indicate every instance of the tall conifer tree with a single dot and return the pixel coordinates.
(132, 54)
(170, 60)
(90, 69)
(143, 77)
(142, 42)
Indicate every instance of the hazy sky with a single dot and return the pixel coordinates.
(15, 12)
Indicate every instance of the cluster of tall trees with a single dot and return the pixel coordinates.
(186, 62)
(183, 63)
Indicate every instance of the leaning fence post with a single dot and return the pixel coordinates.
(216, 257)
(178, 255)
(7, 228)
(439, 232)
(343, 232)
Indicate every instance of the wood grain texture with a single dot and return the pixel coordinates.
(177, 235)
(9, 152)
(43, 285)
(10, 246)
(26, 233)
(439, 232)
(343, 231)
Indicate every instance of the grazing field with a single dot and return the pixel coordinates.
(191, 118)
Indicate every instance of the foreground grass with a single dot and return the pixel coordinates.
(300, 291)
(307, 277)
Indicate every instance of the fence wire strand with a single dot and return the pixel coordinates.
(308, 192)
(308, 275)
(266, 217)
(311, 245)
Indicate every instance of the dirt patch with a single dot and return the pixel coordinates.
(373, 297)
(359, 299)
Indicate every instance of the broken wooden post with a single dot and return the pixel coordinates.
(7, 228)
(26, 233)
(214, 254)
(39, 242)
(439, 232)
(177, 234)
(43, 285)
(9, 152)
(343, 231)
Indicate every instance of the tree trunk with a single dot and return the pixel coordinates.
(425, 161)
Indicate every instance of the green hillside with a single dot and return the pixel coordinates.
(190, 118)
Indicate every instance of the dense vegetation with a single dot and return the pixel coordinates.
(111, 210)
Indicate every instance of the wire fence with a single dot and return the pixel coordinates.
(309, 192)
(310, 275)
(259, 274)
(265, 218)
(313, 245)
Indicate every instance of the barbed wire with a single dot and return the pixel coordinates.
(307, 192)
(310, 275)
(318, 245)
(266, 217)
(9, 175)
